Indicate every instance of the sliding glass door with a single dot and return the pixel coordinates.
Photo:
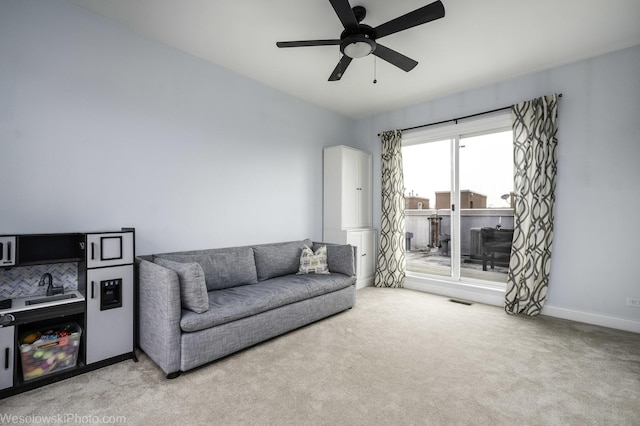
(486, 205)
(427, 176)
(459, 202)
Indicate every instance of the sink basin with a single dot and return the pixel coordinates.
(50, 299)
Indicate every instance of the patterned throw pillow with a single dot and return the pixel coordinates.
(313, 263)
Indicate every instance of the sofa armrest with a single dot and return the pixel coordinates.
(160, 311)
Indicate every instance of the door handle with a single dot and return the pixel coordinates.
(9, 251)
(93, 249)
(6, 358)
(92, 289)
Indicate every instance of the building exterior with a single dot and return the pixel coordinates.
(416, 203)
(468, 200)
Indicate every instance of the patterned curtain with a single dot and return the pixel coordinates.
(391, 266)
(535, 128)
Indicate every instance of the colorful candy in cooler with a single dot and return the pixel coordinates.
(49, 350)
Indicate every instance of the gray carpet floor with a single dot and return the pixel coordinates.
(398, 357)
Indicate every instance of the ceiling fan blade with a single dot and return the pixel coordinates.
(304, 43)
(395, 58)
(345, 14)
(338, 72)
(420, 16)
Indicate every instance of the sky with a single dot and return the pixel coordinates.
(486, 167)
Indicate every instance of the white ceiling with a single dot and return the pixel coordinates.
(476, 43)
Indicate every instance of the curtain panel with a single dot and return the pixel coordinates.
(535, 128)
(391, 265)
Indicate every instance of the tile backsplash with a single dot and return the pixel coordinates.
(22, 281)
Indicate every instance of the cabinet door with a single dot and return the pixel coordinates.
(7, 251)
(350, 189)
(109, 249)
(364, 190)
(109, 331)
(6, 357)
(368, 243)
(365, 242)
(356, 189)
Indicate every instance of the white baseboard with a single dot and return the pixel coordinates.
(495, 297)
(589, 318)
(364, 282)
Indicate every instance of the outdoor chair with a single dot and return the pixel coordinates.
(495, 240)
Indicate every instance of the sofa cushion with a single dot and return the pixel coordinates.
(239, 302)
(193, 290)
(275, 260)
(339, 258)
(223, 268)
(313, 263)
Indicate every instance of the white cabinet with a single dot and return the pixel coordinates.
(347, 207)
(109, 295)
(365, 243)
(347, 188)
(6, 357)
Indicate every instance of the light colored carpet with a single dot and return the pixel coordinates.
(397, 357)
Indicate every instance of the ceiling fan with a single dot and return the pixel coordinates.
(359, 40)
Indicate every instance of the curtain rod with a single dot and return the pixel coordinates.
(459, 118)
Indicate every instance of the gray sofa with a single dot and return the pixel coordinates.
(200, 305)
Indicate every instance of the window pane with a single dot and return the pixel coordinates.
(486, 210)
(427, 179)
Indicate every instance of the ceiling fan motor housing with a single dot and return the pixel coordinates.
(359, 12)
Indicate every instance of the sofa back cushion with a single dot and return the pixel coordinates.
(274, 260)
(223, 268)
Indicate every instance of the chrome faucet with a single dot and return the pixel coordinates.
(51, 289)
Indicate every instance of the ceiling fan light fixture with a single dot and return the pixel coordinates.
(358, 46)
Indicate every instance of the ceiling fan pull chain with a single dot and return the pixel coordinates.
(375, 80)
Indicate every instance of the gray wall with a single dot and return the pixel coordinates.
(101, 128)
(594, 261)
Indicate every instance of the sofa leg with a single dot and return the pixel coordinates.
(173, 375)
